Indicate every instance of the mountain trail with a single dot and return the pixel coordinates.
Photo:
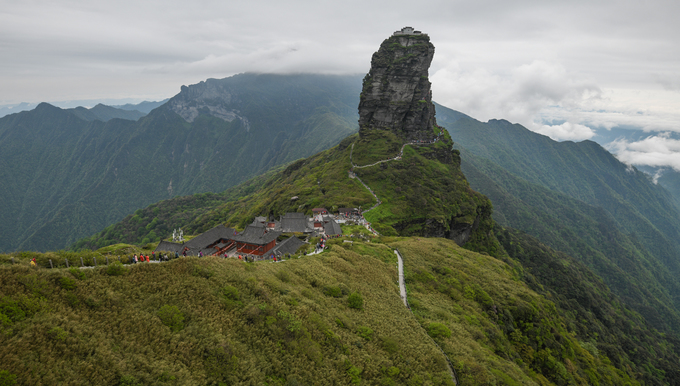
(398, 157)
(402, 292)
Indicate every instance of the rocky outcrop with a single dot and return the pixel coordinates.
(211, 97)
(396, 92)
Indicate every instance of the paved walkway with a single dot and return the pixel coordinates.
(402, 293)
(402, 285)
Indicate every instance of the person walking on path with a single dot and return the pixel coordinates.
(33, 262)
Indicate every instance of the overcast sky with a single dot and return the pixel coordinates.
(562, 68)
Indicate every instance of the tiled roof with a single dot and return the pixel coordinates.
(203, 240)
(295, 222)
(331, 227)
(294, 215)
(256, 235)
(288, 246)
(167, 246)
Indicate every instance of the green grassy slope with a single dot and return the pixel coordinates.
(432, 198)
(206, 321)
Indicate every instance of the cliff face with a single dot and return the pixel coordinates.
(211, 97)
(396, 92)
(424, 193)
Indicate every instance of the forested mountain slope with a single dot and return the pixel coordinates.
(63, 177)
(579, 199)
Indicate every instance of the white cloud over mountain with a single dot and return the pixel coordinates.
(564, 69)
(655, 150)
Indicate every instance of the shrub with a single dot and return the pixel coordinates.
(354, 373)
(283, 276)
(435, 330)
(71, 299)
(390, 345)
(67, 283)
(7, 378)
(230, 292)
(91, 302)
(335, 292)
(172, 317)
(231, 297)
(57, 333)
(77, 273)
(365, 332)
(11, 309)
(354, 300)
(115, 269)
(483, 298)
(469, 292)
(4, 320)
(128, 380)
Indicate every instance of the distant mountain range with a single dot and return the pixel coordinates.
(143, 107)
(67, 173)
(579, 199)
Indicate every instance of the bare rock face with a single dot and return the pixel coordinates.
(396, 92)
(210, 97)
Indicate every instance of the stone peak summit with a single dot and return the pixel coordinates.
(396, 93)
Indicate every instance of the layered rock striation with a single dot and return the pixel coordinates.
(396, 92)
(212, 97)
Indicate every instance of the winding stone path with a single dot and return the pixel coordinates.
(398, 157)
(402, 293)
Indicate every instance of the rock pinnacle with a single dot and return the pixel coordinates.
(396, 92)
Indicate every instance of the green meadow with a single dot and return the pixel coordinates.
(332, 318)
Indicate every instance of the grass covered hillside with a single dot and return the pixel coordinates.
(423, 193)
(333, 318)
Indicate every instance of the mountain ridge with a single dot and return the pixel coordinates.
(119, 166)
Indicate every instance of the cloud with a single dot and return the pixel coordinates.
(520, 96)
(566, 132)
(656, 150)
(553, 67)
